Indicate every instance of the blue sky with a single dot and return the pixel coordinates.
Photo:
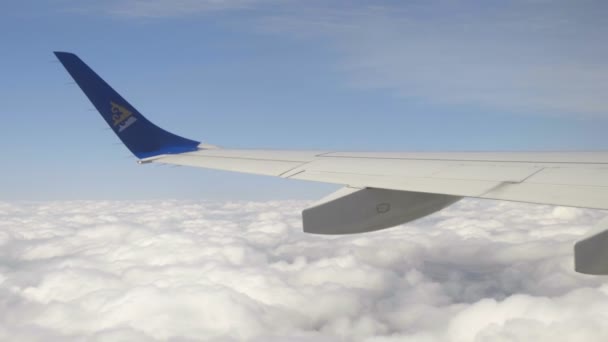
(360, 75)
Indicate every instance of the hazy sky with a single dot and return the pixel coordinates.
(356, 75)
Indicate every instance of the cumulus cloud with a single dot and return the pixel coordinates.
(229, 271)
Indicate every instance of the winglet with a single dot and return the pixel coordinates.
(143, 138)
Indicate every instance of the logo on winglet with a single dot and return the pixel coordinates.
(121, 117)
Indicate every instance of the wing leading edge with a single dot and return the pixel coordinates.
(381, 189)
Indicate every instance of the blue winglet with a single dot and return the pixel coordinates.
(143, 138)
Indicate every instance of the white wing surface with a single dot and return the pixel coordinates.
(576, 179)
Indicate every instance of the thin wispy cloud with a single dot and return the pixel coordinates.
(174, 8)
(524, 56)
(532, 57)
(185, 270)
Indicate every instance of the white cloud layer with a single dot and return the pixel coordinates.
(183, 271)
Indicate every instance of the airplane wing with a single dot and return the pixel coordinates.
(380, 190)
